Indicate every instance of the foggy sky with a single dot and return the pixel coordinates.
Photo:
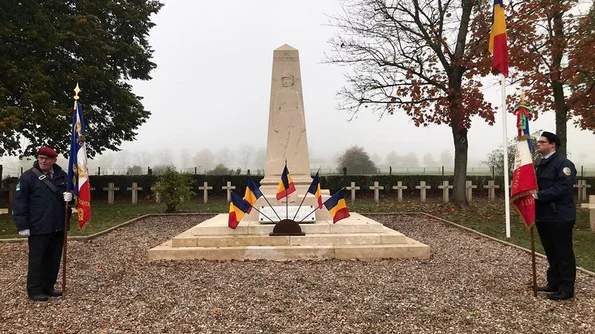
(211, 88)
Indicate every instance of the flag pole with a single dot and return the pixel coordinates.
(66, 207)
(505, 137)
(262, 213)
(533, 260)
(65, 248)
(286, 199)
(305, 194)
(269, 203)
(299, 207)
(308, 215)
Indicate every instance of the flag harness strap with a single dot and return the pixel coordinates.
(44, 178)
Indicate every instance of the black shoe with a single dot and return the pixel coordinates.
(39, 298)
(54, 293)
(547, 288)
(560, 295)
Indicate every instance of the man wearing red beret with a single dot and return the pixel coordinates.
(38, 212)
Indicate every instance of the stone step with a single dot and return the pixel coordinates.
(218, 226)
(409, 249)
(387, 236)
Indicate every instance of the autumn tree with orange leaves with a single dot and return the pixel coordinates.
(551, 46)
(424, 58)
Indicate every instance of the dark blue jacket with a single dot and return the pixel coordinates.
(36, 207)
(555, 198)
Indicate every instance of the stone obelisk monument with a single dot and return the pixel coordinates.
(286, 140)
(356, 237)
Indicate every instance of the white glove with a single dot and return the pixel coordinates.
(25, 233)
(67, 196)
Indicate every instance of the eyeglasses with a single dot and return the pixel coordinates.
(44, 158)
(542, 142)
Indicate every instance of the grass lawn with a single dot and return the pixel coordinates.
(481, 215)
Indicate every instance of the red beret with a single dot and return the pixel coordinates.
(47, 151)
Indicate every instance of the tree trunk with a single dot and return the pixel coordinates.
(459, 135)
(559, 42)
(561, 119)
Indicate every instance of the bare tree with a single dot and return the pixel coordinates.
(245, 155)
(204, 159)
(421, 57)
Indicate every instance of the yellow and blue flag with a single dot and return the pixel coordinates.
(252, 194)
(286, 185)
(498, 46)
(237, 209)
(315, 189)
(337, 207)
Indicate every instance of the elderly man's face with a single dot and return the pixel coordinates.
(45, 163)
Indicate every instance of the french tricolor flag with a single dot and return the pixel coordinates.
(78, 174)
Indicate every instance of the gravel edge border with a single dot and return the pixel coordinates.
(93, 236)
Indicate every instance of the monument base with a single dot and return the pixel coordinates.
(356, 237)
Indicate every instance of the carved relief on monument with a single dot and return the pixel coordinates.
(288, 124)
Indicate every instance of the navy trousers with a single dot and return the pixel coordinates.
(556, 238)
(45, 253)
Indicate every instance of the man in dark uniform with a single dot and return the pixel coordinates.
(555, 216)
(39, 214)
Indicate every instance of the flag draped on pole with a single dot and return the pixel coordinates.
(286, 185)
(78, 174)
(337, 207)
(524, 182)
(252, 194)
(237, 208)
(314, 189)
(498, 46)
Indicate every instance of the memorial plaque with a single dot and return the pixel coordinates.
(305, 212)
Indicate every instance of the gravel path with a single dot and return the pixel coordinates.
(469, 285)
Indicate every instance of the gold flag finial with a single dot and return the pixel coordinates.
(76, 94)
(76, 91)
(523, 98)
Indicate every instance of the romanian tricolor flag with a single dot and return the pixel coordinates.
(237, 208)
(315, 189)
(337, 207)
(78, 174)
(252, 194)
(286, 185)
(498, 46)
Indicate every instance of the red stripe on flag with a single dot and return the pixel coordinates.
(501, 54)
(340, 214)
(84, 204)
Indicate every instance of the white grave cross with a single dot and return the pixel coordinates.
(110, 192)
(470, 186)
(445, 187)
(591, 207)
(229, 188)
(135, 188)
(205, 189)
(376, 189)
(491, 187)
(353, 188)
(422, 190)
(582, 189)
(399, 188)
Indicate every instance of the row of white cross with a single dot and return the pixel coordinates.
(422, 187)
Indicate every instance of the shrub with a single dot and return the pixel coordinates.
(173, 188)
